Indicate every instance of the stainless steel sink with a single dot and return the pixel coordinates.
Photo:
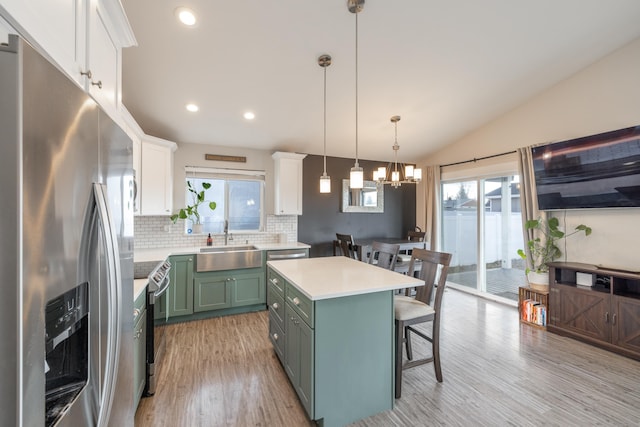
(228, 248)
(228, 258)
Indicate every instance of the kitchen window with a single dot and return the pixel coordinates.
(239, 198)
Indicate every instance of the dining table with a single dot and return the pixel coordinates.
(363, 248)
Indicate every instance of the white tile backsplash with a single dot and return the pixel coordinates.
(159, 231)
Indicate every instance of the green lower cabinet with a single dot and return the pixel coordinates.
(229, 288)
(249, 289)
(330, 364)
(181, 287)
(160, 307)
(178, 298)
(212, 292)
(298, 357)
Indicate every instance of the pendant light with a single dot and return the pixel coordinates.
(325, 180)
(356, 176)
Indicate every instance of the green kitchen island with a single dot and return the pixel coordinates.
(331, 323)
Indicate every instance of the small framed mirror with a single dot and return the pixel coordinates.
(369, 198)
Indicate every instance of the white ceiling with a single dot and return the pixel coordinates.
(445, 66)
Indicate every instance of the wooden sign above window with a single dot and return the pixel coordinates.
(221, 158)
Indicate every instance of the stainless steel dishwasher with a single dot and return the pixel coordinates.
(277, 255)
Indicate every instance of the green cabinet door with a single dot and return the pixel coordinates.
(139, 356)
(229, 288)
(212, 291)
(181, 287)
(298, 357)
(160, 307)
(248, 289)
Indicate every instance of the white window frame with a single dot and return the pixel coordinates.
(200, 172)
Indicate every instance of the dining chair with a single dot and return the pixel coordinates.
(347, 245)
(384, 255)
(410, 311)
(412, 236)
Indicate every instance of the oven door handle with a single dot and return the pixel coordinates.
(163, 287)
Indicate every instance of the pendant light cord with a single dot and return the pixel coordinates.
(356, 13)
(396, 146)
(325, 121)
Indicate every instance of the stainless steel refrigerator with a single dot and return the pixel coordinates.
(66, 203)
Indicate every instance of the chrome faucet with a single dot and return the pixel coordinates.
(226, 232)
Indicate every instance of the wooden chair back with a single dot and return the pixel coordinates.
(347, 246)
(384, 255)
(432, 264)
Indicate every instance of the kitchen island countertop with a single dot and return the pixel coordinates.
(339, 276)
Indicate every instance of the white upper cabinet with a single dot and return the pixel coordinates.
(288, 183)
(156, 176)
(84, 37)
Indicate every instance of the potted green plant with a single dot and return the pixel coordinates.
(191, 211)
(544, 248)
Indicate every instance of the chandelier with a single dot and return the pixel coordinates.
(412, 175)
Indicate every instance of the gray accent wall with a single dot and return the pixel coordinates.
(321, 218)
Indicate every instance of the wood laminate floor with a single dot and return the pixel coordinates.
(223, 372)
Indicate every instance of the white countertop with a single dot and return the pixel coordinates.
(139, 285)
(160, 254)
(339, 276)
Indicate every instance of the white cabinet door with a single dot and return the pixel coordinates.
(55, 27)
(156, 180)
(288, 183)
(83, 37)
(102, 58)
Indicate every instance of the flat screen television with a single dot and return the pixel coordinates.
(597, 171)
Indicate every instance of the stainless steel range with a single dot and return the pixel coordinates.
(159, 281)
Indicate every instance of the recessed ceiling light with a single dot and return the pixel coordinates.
(186, 16)
(192, 107)
(249, 115)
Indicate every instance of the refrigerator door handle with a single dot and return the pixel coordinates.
(114, 304)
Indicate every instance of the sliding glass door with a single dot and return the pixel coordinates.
(460, 231)
(481, 227)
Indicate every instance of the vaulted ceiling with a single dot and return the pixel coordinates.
(446, 67)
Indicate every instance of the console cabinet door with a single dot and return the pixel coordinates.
(582, 311)
(626, 323)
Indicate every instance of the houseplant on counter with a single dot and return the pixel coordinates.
(543, 248)
(190, 212)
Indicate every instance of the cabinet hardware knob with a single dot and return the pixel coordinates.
(613, 318)
(98, 83)
(296, 301)
(275, 305)
(86, 73)
(275, 337)
(136, 312)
